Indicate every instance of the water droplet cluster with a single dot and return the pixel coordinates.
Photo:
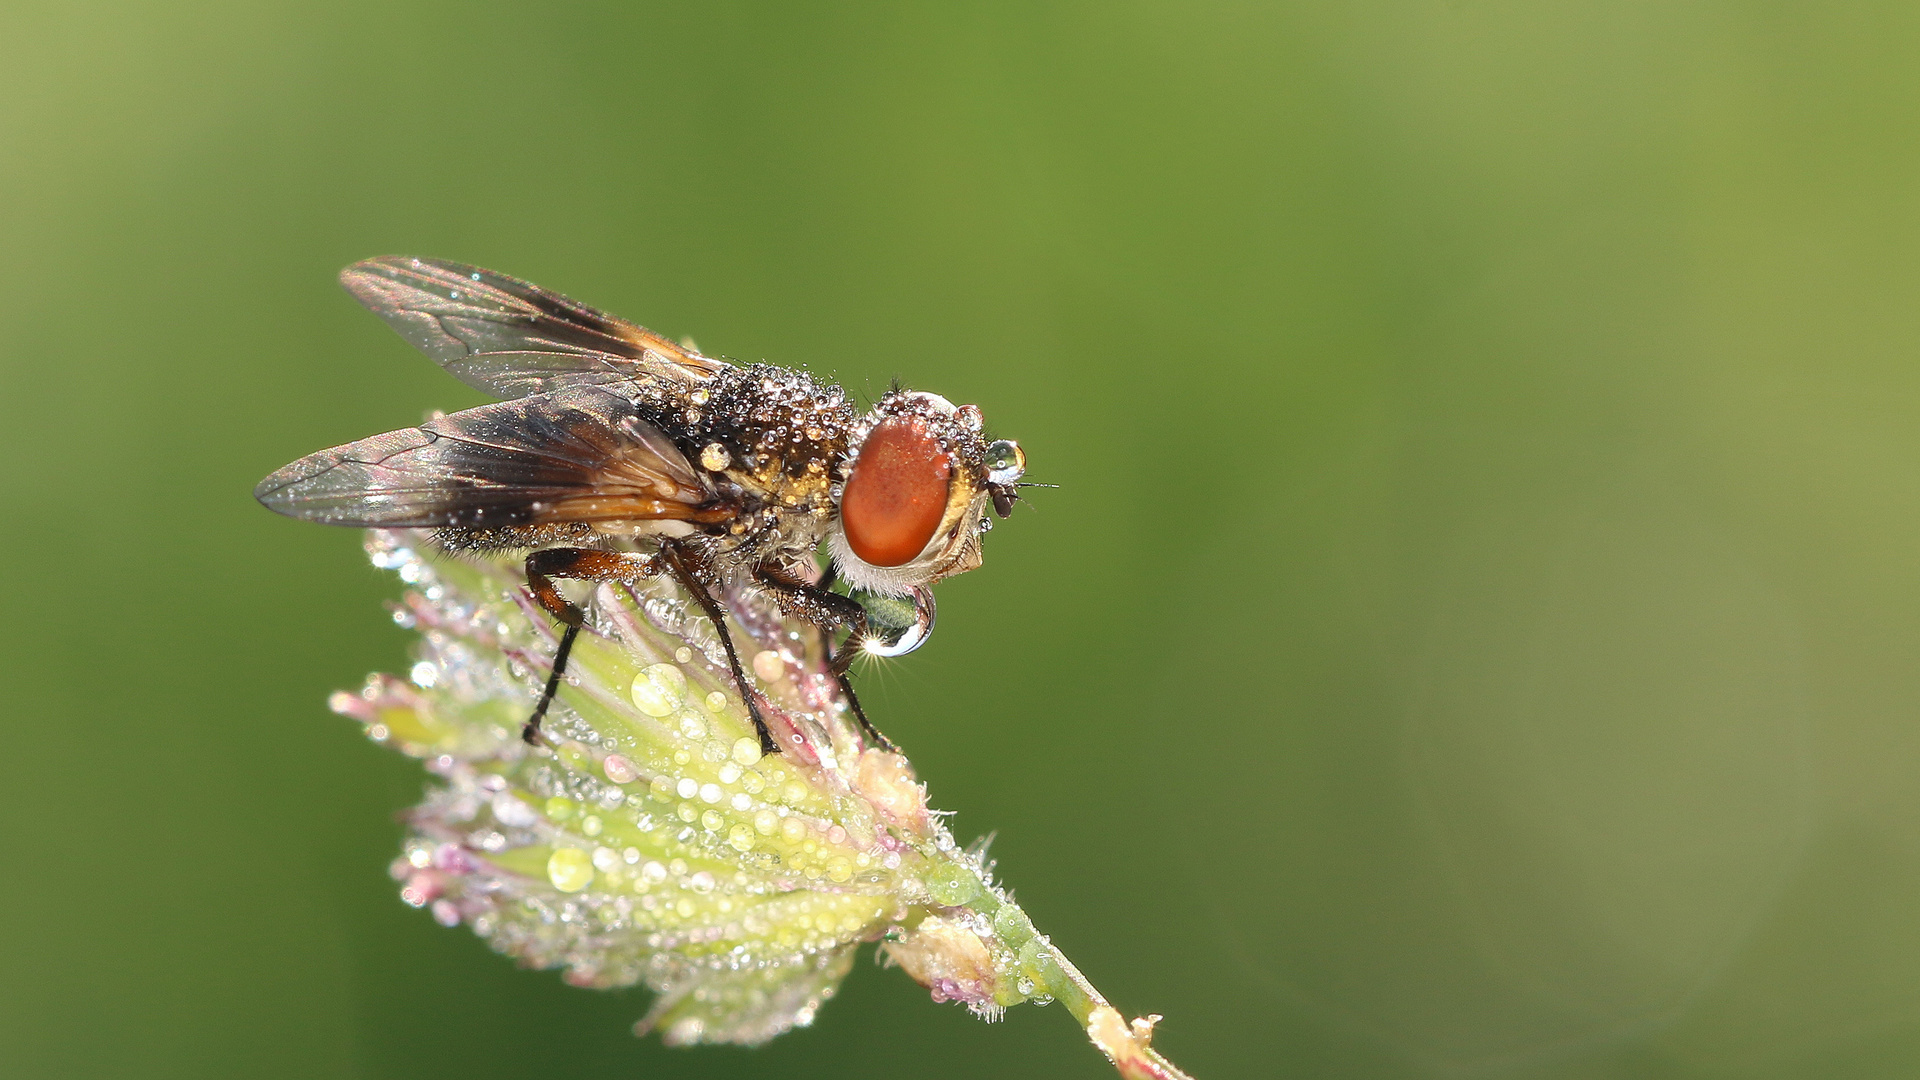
(650, 840)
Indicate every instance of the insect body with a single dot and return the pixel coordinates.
(620, 455)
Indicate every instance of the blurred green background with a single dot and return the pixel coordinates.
(1478, 634)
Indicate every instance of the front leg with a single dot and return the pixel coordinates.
(825, 609)
(814, 604)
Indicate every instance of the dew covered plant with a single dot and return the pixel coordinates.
(648, 840)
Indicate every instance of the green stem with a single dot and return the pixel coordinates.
(1128, 1046)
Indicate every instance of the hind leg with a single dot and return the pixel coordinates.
(576, 564)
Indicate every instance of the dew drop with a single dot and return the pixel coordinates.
(711, 821)
(424, 674)
(688, 787)
(560, 808)
(740, 838)
(951, 886)
(793, 830)
(570, 869)
(683, 654)
(692, 727)
(768, 665)
(605, 859)
(659, 689)
(620, 769)
(702, 882)
(590, 825)
(746, 751)
(710, 793)
(765, 823)
(716, 701)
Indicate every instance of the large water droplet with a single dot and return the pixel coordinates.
(659, 689)
(746, 751)
(951, 886)
(570, 869)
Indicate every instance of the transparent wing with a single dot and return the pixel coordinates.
(509, 337)
(576, 455)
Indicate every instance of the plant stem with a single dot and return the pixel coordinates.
(1128, 1046)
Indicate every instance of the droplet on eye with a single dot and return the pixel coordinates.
(897, 494)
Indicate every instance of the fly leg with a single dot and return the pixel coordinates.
(694, 576)
(826, 609)
(860, 714)
(577, 564)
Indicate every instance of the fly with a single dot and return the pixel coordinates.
(619, 455)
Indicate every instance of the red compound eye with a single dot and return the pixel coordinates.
(897, 494)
